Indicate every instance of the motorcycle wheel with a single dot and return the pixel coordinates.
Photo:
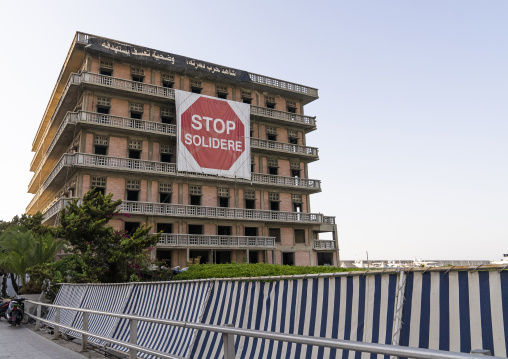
(25, 319)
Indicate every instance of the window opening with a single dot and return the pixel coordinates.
(223, 194)
(274, 232)
(274, 199)
(195, 195)
(271, 134)
(168, 80)
(103, 105)
(196, 86)
(273, 167)
(168, 116)
(101, 144)
(130, 227)
(325, 259)
(251, 231)
(288, 258)
(250, 199)
(136, 110)
(196, 229)
(222, 91)
(246, 96)
(291, 106)
(270, 102)
(224, 230)
(299, 236)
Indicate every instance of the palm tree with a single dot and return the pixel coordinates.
(21, 249)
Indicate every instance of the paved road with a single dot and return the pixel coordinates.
(22, 343)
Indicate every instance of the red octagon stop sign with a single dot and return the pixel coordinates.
(212, 133)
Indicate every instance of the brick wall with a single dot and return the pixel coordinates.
(117, 147)
(302, 258)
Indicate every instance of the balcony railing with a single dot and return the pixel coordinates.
(324, 244)
(179, 240)
(282, 115)
(283, 146)
(284, 85)
(182, 210)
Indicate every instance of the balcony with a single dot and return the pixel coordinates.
(270, 146)
(324, 244)
(292, 118)
(206, 241)
(182, 210)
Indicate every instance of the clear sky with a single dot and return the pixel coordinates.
(412, 114)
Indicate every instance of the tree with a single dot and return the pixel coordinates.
(101, 254)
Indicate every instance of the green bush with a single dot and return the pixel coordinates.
(234, 270)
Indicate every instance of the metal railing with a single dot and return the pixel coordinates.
(282, 115)
(324, 244)
(228, 332)
(171, 239)
(283, 146)
(284, 85)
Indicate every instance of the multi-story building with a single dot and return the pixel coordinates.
(113, 124)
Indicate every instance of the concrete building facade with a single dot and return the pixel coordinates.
(111, 125)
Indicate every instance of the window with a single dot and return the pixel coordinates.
(291, 106)
(167, 80)
(271, 133)
(222, 91)
(103, 105)
(138, 74)
(136, 110)
(165, 227)
(253, 256)
(288, 258)
(251, 231)
(166, 152)
(195, 195)
(168, 116)
(246, 96)
(165, 192)
(295, 168)
(270, 102)
(106, 68)
(274, 201)
(273, 167)
(297, 202)
(250, 199)
(274, 232)
(223, 194)
(196, 86)
(224, 230)
(133, 188)
(101, 144)
(195, 229)
(135, 149)
(222, 257)
(99, 184)
(325, 259)
(293, 137)
(164, 256)
(299, 236)
(130, 227)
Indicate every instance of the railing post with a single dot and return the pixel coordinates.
(37, 321)
(133, 354)
(229, 343)
(56, 332)
(84, 337)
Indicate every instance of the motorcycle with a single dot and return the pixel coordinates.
(16, 311)
(4, 305)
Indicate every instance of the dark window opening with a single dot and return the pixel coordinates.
(247, 100)
(164, 256)
(196, 89)
(195, 200)
(223, 202)
(103, 109)
(251, 231)
(252, 167)
(135, 154)
(132, 195)
(138, 78)
(222, 257)
(166, 157)
(270, 105)
(273, 171)
(250, 203)
(295, 173)
(288, 258)
(196, 229)
(253, 257)
(100, 150)
(168, 120)
(271, 137)
(224, 230)
(167, 84)
(300, 236)
(274, 232)
(100, 190)
(222, 95)
(136, 115)
(106, 72)
(164, 197)
(274, 205)
(297, 207)
(165, 227)
(325, 259)
(130, 227)
(292, 109)
(293, 141)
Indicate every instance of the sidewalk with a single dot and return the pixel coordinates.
(22, 343)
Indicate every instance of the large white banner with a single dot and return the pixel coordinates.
(213, 135)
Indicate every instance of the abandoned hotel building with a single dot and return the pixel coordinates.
(214, 157)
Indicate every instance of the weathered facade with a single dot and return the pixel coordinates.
(111, 125)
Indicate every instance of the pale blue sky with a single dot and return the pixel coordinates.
(412, 115)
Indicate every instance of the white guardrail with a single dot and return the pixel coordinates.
(228, 332)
